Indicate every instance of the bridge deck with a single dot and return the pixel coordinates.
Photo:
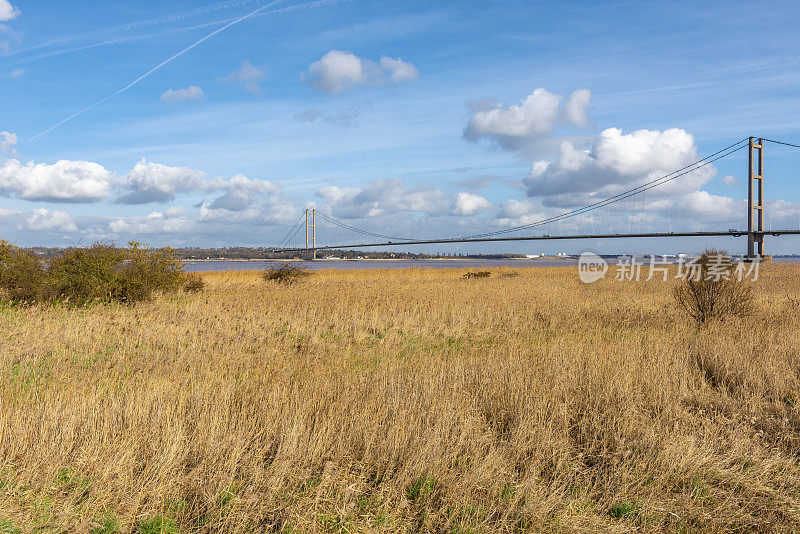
(734, 233)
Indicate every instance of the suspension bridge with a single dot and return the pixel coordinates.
(629, 213)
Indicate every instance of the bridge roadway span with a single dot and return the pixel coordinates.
(730, 233)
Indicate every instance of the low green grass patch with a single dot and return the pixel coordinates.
(159, 524)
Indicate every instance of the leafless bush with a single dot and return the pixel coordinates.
(285, 274)
(193, 283)
(711, 289)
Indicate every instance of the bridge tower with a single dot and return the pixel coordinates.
(755, 171)
(311, 233)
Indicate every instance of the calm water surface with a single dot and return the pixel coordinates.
(259, 265)
(225, 265)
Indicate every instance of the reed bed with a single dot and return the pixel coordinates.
(403, 401)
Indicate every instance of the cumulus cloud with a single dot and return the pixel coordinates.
(712, 206)
(382, 197)
(173, 220)
(730, 181)
(339, 70)
(8, 11)
(518, 125)
(270, 211)
(516, 212)
(38, 220)
(248, 75)
(399, 71)
(153, 182)
(469, 204)
(63, 181)
(577, 108)
(7, 142)
(616, 162)
(42, 219)
(176, 96)
(239, 193)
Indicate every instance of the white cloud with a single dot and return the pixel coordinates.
(153, 182)
(518, 125)
(239, 193)
(7, 142)
(577, 107)
(37, 220)
(399, 71)
(63, 181)
(272, 211)
(42, 219)
(8, 11)
(16, 74)
(730, 181)
(782, 213)
(469, 204)
(381, 197)
(515, 212)
(335, 72)
(170, 221)
(176, 96)
(339, 70)
(616, 162)
(712, 206)
(248, 75)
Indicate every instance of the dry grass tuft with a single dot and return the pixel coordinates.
(398, 401)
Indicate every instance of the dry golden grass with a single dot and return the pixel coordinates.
(397, 401)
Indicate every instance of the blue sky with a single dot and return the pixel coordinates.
(423, 118)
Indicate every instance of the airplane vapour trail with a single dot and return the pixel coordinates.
(138, 37)
(157, 67)
(166, 19)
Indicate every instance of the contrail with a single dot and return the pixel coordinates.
(157, 67)
(174, 17)
(129, 38)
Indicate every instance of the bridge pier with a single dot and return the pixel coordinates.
(311, 237)
(755, 241)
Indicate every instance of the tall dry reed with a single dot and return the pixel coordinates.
(397, 401)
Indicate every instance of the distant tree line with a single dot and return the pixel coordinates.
(262, 253)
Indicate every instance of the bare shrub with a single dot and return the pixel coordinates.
(711, 289)
(193, 283)
(478, 274)
(285, 274)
